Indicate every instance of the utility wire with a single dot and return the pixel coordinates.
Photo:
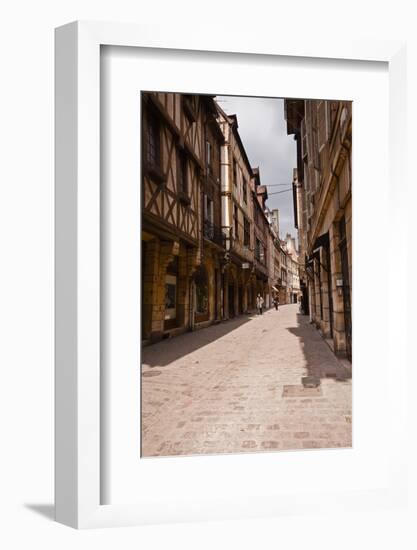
(279, 192)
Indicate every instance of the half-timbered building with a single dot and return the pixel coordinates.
(182, 245)
(237, 220)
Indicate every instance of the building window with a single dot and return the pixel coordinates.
(245, 191)
(256, 213)
(209, 158)
(234, 172)
(315, 136)
(258, 249)
(236, 219)
(262, 254)
(246, 232)
(208, 209)
(208, 228)
(153, 141)
(182, 172)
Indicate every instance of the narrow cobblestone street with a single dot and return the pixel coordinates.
(237, 386)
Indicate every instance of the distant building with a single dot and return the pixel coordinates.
(283, 283)
(293, 269)
(263, 240)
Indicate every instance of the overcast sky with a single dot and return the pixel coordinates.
(263, 131)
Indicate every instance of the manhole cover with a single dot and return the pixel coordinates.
(150, 373)
(301, 391)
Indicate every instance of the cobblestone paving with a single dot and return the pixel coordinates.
(220, 389)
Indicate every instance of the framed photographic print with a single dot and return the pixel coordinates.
(215, 207)
(252, 265)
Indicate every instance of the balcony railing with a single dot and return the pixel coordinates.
(214, 233)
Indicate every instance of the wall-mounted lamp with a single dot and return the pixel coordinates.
(339, 286)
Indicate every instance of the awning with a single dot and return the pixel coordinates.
(275, 288)
(322, 241)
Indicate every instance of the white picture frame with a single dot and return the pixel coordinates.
(78, 405)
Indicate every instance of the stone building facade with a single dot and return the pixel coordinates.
(323, 211)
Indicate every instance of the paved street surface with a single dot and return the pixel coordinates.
(236, 386)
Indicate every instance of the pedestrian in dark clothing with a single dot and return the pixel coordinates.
(276, 302)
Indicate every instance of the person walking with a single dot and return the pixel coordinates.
(276, 302)
(259, 303)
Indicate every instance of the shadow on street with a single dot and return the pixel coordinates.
(165, 352)
(320, 359)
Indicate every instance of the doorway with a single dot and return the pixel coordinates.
(240, 296)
